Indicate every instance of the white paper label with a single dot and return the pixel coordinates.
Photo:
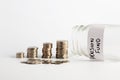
(95, 42)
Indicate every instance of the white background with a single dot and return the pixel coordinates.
(25, 23)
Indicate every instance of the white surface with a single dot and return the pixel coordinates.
(77, 69)
(25, 23)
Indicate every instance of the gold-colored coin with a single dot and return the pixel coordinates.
(62, 44)
(32, 61)
(46, 61)
(59, 62)
(47, 45)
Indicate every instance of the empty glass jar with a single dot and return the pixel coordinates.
(96, 41)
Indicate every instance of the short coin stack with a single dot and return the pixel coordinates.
(32, 52)
(62, 49)
(47, 50)
(20, 55)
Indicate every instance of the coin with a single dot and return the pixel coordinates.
(32, 61)
(46, 61)
(62, 44)
(47, 45)
(59, 62)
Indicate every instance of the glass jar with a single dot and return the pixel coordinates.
(96, 41)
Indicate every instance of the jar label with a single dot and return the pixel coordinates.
(95, 42)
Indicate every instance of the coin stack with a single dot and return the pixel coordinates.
(47, 50)
(20, 55)
(32, 52)
(62, 49)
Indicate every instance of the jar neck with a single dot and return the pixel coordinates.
(79, 40)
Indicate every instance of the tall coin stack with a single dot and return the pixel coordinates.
(32, 52)
(47, 50)
(62, 49)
